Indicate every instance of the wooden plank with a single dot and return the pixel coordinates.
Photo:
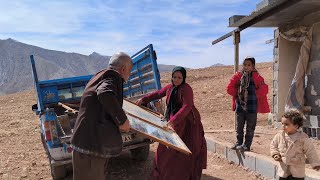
(68, 108)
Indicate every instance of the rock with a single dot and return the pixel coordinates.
(6, 177)
(12, 134)
(24, 172)
(219, 95)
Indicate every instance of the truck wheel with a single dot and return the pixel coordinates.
(140, 153)
(58, 172)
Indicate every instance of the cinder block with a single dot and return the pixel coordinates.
(275, 84)
(309, 132)
(312, 79)
(311, 90)
(234, 19)
(304, 129)
(262, 164)
(306, 122)
(315, 69)
(314, 121)
(221, 150)
(266, 166)
(313, 85)
(248, 160)
(315, 110)
(315, 133)
(313, 101)
(276, 50)
(211, 145)
(233, 156)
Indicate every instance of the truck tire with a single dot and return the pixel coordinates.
(58, 172)
(140, 153)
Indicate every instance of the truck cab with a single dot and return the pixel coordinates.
(58, 101)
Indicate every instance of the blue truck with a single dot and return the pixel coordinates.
(58, 101)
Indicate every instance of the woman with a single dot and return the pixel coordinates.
(184, 118)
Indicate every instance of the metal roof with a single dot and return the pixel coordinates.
(276, 14)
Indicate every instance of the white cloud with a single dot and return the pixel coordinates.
(180, 31)
(45, 17)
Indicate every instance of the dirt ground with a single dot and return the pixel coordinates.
(23, 157)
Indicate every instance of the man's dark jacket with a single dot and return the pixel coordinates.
(96, 129)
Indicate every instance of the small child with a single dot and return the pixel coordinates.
(291, 147)
(249, 93)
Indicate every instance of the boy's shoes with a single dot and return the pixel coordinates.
(245, 148)
(236, 147)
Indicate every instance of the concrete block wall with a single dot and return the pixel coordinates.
(312, 99)
(274, 109)
(261, 164)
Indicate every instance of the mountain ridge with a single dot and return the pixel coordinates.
(15, 66)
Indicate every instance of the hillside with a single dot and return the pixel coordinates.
(15, 67)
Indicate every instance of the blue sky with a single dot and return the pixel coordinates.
(181, 31)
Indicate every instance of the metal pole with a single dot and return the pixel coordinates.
(236, 42)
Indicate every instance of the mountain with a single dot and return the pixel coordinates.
(218, 64)
(165, 68)
(15, 67)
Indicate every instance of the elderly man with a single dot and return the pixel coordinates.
(101, 118)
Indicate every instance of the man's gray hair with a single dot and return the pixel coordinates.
(120, 59)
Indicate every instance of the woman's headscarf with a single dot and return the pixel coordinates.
(172, 105)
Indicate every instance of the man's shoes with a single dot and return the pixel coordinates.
(245, 148)
(236, 147)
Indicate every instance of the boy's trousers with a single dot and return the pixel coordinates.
(250, 119)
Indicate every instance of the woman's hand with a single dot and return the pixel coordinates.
(161, 116)
(317, 168)
(169, 126)
(139, 102)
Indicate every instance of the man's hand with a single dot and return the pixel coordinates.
(125, 127)
(277, 157)
(139, 102)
